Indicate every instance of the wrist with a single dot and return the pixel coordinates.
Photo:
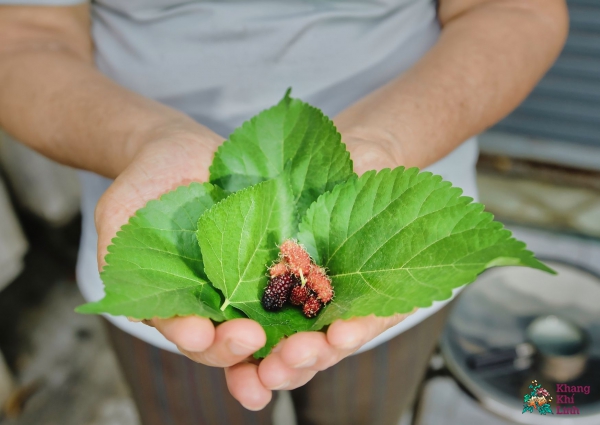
(364, 142)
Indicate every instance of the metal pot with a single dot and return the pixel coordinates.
(516, 325)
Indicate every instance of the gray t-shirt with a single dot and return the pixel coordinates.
(222, 61)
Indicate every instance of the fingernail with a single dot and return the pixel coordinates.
(352, 344)
(240, 349)
(282, 386)
(253, 409)
(307, 362)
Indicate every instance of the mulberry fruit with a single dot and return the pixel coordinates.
(299, 295)
(296, 257)
(320, 283)
(278, 269)
(297, 280)
(278, 291)
(312, 306)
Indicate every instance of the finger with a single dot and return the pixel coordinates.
(276, 375)
(245, 386)
(351, 334)
(233, 342)
(310, 350)
(190, 333)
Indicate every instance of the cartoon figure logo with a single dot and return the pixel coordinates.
(539, 399)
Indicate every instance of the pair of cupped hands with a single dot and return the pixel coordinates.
(178, 155)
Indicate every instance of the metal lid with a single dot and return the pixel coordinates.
(515, 308)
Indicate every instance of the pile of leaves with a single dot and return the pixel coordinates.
(390, 241)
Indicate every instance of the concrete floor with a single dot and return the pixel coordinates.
(64, 359)
(65, 373)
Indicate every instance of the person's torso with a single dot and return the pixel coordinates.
(222, 61)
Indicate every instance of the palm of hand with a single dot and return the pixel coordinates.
(162, 166)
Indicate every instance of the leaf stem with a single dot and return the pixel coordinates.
(302, 278)
(225, 304)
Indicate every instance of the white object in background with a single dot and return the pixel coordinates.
(47, 189)
(12, 242)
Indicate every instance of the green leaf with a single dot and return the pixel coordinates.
(401, 239)
(291, 135)
(154, 266)
(239, 239)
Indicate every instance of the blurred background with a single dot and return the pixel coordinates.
(538, 172)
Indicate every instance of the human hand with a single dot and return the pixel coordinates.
(167, 158)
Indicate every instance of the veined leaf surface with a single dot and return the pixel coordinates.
(291, 136)
(401, 239)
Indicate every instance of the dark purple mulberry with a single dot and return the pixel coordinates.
(278, 291)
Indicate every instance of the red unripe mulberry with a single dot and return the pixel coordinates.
(312, 306)
(278, 269)
(296, 257)
(299, 295)
(320, 283)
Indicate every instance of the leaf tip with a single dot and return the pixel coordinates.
(87, 308)
(527, 259)
(541, 266)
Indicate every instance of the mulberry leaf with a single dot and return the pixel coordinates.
(399, 239)
(289, 136)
